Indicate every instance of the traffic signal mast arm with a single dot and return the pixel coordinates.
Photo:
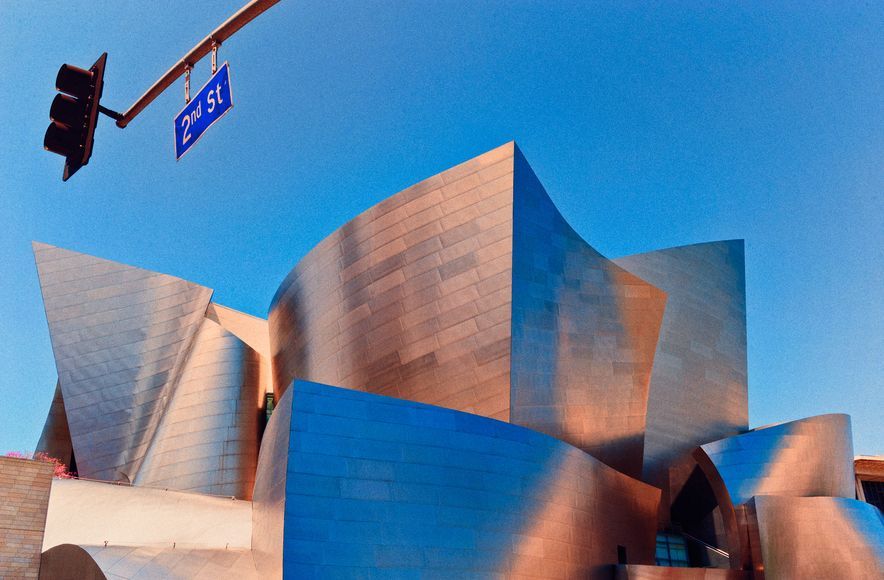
(245, 15)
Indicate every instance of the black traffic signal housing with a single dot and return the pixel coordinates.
(74, 114)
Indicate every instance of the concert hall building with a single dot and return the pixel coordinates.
(454, 384)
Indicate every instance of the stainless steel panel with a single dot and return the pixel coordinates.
(207, 438)
(816, 537)
(55, 440)
(398, 301)
(699, 391)
(117, 380)
(584, 332)
(808, 457)
(376, 485)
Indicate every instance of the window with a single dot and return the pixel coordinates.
(874, 492)
(268, 405)
(671, 550)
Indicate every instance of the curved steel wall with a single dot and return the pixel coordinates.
(816, 537)
(207, 439)
(808, 457)
(376, 483)
(412, 297)
(584, 332)
(55, 439)
(470, 291)
(268, 500)
(120, 335)
(699, 390)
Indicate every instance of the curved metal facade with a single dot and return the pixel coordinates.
(699, 390)
(808, 457)
(470, 291)
(55, 439)
(411, 298)
(152, 386)
(207, 440)
(505, 386)
(376, 483)
(816, 537)
(120, 335)
(584, 332)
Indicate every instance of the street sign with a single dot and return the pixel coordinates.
(207, 106)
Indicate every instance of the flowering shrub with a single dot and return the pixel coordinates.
(61, 470)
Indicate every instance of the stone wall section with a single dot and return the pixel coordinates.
(24, 497)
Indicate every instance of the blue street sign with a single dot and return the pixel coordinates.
(206, 107)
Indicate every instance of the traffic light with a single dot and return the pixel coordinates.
(74, 113)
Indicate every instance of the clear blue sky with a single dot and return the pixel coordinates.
(649, 126)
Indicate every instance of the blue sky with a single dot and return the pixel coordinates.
(649, 126)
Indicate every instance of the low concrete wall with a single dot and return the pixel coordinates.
(91, 512)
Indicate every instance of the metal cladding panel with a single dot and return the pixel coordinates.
(86, 562)
(249, 329)
(120, 335)
(207, 439)
(584, 332)
(268, 500)
(808, 457)
(411, 298)
(55, 440)
(381, 487)
(699, 389)
(816, 537)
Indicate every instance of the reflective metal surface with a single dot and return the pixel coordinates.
(584, 332)
(207, 439)
(812, 456)
(412, 297)
(381, 484)
(699, 391)
(159, 386)
(816, 537)
(505, 386)
(415, 297)
(268, 511)
(55, 440)
(120, 335)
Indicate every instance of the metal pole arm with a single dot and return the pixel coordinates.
(245, 15)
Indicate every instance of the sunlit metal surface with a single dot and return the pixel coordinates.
(207, 439)
(699, 392)
(412, 297)
(816, 537)
(808, 457)
(268, 501)
(381, 484)
(584, 332)
(159, 387)
(120, 335)
(55, 440)
(470, 292)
